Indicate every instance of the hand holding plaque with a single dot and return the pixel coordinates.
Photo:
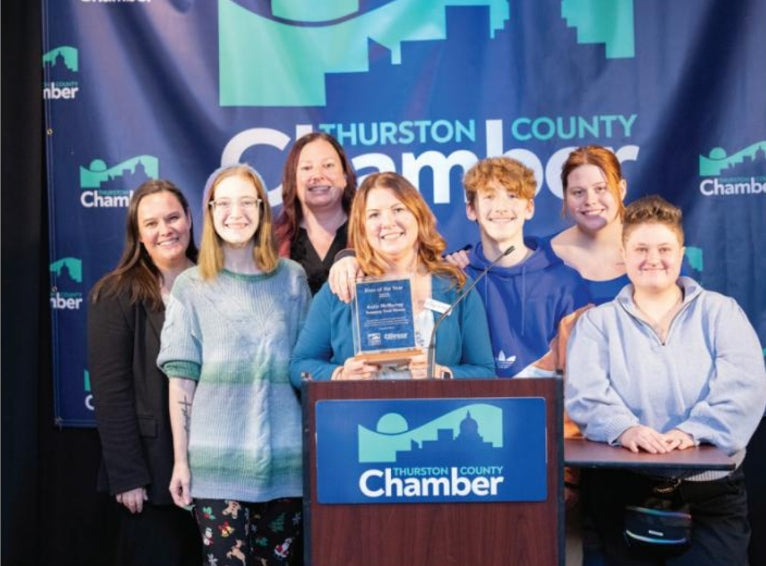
(384, 327)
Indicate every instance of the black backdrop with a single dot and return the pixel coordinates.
(50, 511)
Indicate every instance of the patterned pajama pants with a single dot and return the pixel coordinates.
(240, 533)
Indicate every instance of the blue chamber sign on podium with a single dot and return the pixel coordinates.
(431, 450)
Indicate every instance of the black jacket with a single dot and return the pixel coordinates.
(130, 395)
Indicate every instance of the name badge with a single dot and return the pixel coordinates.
(436, 306)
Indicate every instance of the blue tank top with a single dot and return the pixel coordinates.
(604, 291)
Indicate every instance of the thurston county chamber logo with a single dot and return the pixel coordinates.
(300, 44)
(86, 388)
(386, 451)
(66, 281)
(610, 23)
(695, 261)
(106, 187)
(739, 174)
(60, 67)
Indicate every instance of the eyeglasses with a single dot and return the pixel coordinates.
(225, 205)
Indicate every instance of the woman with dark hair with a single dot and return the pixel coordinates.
(231, 325)
(125, 317)
(318, 185)
(394, 234)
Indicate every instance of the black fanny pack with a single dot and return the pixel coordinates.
(661, 525)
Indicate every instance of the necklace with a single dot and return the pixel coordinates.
(661, 325)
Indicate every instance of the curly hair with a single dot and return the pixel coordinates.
(652, 209)
(516, 177)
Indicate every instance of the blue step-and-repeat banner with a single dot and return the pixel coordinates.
(138, 89)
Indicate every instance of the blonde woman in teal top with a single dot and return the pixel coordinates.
(229, 330)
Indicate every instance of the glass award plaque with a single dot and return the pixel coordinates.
(383, 322)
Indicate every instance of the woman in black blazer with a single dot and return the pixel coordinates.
(130, 393)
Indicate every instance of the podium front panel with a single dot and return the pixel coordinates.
(433, 472)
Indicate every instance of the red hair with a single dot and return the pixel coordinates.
(605, 160)
(430, 243)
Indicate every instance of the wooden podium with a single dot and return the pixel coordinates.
(511, 533)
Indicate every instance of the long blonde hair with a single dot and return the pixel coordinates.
(211, 259)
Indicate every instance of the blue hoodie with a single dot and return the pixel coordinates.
(525, 303)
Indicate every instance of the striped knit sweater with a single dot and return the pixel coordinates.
(233, 335)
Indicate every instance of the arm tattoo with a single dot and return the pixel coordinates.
(186, 412)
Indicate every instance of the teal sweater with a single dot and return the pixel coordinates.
(462, 341)
(233, 335)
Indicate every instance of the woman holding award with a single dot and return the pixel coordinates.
(395, 238)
